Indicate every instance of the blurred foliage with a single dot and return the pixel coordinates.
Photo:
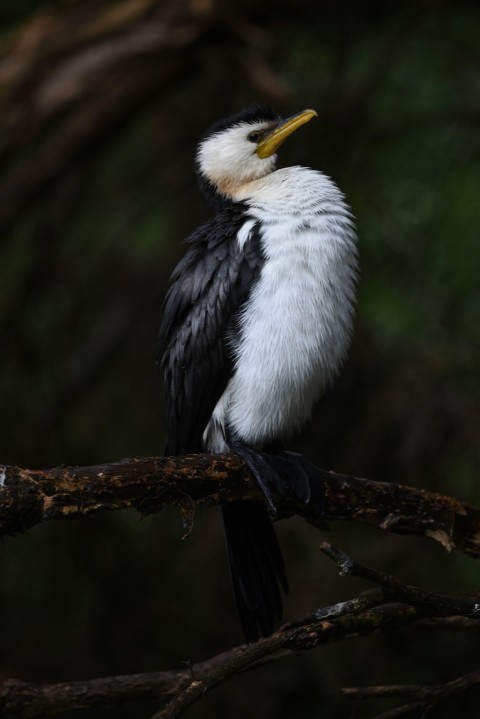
(85, 265)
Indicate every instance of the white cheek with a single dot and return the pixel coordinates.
(229, 159)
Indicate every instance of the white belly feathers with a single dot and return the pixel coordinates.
(296, 326)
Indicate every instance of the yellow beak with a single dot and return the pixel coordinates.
(270, 144)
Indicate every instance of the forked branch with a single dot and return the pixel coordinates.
(374, 611)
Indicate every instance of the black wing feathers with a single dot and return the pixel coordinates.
(199, 328)
(208, 287)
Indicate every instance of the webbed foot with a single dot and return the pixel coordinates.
(285, 473)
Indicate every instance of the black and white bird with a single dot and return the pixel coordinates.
(256, 325)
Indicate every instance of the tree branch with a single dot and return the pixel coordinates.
(29, 497)
(69, 81)
(426, 697)
(444, 604)
(21, 700)
(372, 612)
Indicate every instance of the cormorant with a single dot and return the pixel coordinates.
(256, 324)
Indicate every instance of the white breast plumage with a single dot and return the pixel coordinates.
(295, 328)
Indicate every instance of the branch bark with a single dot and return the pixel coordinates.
(70, 80)
(373, 611)
(22, 700)
(29, 497)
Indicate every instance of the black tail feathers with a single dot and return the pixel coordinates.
(256, 565)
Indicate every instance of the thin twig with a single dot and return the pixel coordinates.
(415, 691)
(426, 696)
(402, 711)
(366, 600)
(449, 605)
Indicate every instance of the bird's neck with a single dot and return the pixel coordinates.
(218, 196)
(294, 189)
(289, 190)
(227, 189)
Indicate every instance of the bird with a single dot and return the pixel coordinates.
(256, 324)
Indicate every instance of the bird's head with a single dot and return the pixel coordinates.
(242, 148)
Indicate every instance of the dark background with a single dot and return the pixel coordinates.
(101, 106)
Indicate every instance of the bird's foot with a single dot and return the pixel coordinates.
(285, 473)
(265, 473)
(305, 482)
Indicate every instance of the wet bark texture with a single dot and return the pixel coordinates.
(29, 497)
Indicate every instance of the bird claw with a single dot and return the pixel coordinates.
(265, 475)
(285, 473)
(312, 489)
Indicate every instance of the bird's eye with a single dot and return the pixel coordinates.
(254, 136)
